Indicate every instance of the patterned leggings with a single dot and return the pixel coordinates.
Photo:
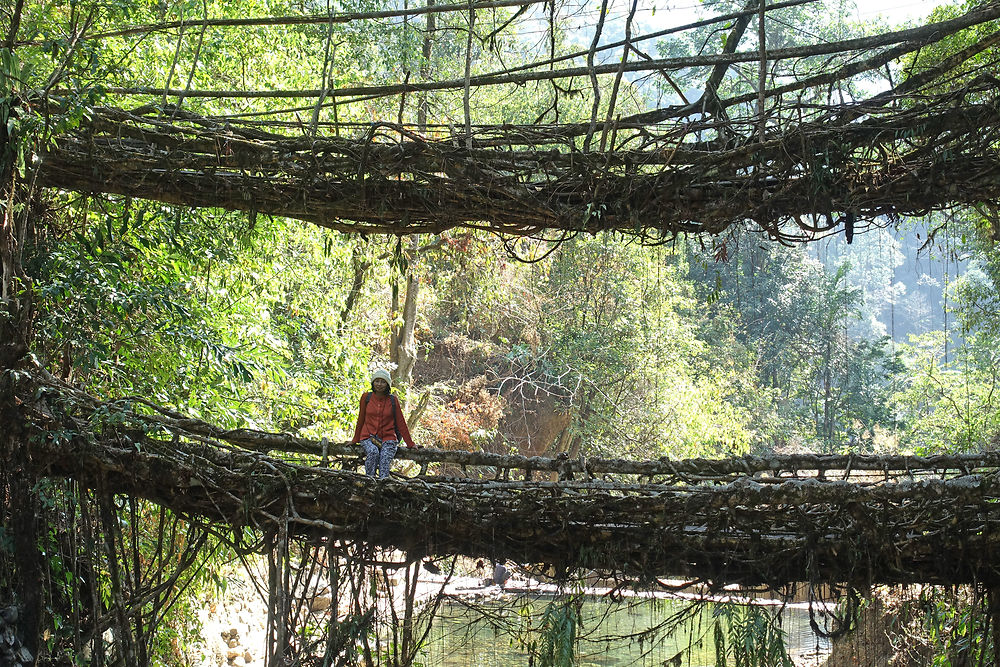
(378, 460)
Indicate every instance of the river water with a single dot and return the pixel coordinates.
(609, 634)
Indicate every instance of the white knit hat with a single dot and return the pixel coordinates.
(383, 374)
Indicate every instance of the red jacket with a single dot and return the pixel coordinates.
(375, 418)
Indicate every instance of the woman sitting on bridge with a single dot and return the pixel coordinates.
(381, 426)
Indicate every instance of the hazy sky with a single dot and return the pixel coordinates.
(903, 9)
(660, 14)
(895, 11)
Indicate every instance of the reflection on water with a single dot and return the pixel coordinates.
(611, 633)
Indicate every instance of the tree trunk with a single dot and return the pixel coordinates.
(18, 499)
(828, 397)
(360, 265)
(404, 348)
(16, 310)
(19, 511)
(425, 69)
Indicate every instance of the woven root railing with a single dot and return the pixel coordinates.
(748, 521)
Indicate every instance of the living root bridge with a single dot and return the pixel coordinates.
(938, 523)
(864, 162)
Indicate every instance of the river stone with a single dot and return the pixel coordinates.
(9, 615)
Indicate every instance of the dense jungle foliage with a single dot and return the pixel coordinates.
(590, 345)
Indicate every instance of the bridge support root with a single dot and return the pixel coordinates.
(20, 558)
(345, 602)
(994, 620)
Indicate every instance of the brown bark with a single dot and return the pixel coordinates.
(592, 73)
(360, 266)
(404, 348)
(19, 511)
(407, 349)
(935, 531)
(747, 520)
(18, 496)
(618, 77)
(425, 67)
(732, 42)
(947, 160)
(15, 24)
